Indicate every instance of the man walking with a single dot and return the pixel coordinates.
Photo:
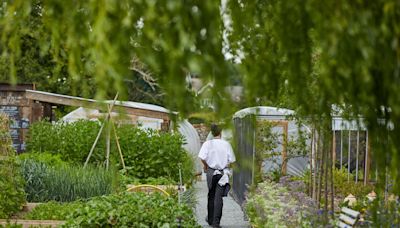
(216, 155)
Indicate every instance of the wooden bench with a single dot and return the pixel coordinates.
(348, 217)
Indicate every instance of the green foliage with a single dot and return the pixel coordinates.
(273, 205)
(64, 183)
(383, 214)
(377, 212)
(129, 209)
(13, 225)
(268, 142)
(12, 195)
(344, 186)
(132, 210)
(44, 157)
(53, 210)
(71, 141)
(147, 153)
(6, 148)
(124, 180)
(151, 154)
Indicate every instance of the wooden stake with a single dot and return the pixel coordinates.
(331, 167)
(310, 187)
(284, 148)
(94, 144)
(110, 107)
(118, 146)
(314, 191)
(326, 159)
(108, 144)
(321, 168)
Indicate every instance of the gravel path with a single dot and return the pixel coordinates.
(232, 214)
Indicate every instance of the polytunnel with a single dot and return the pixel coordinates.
(246, 122)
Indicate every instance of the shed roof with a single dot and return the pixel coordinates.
(130, 107)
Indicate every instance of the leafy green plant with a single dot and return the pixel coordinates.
(63, 211)
(147, 153)
(46, 158)
(383, 214)
(132, 210)
(267, 143)
(53, 210)
(71, 141)
(12, 195)
(343, 184)
(125, 180)
(272, 205)
(65, 183)
(152, 154)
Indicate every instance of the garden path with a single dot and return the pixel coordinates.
(232, 214)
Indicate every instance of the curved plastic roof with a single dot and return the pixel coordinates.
(192, 139)
(272, 113)
(138, 105)
(263, 111)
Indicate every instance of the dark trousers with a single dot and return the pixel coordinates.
(215, 201)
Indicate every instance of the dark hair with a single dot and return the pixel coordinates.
(215, 130)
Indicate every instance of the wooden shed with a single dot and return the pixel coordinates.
(25, 105)
(21, 110)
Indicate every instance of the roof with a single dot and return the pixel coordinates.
(136, 108)
(263, 111)
(138, 105)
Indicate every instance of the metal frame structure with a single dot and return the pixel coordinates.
(355, 131)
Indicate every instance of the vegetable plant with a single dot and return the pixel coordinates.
(65, 183)
(132, 210)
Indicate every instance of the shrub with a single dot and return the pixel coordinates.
(151, 154)
(65, 183)
(12, 195)
(71, 141)
(343, 186)
(147, 153)
(132, 210)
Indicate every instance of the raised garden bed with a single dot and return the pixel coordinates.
(15, 220)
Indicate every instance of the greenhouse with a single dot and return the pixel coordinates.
(248, 125)
(347, 136)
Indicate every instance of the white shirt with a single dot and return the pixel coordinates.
(217, 153)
